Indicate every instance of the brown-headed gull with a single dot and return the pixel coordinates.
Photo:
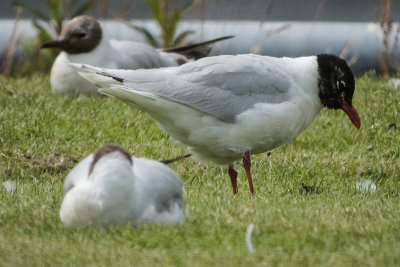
(82, 41)
(111, 187)
(225, 108)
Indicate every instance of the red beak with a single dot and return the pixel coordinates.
(352, 113)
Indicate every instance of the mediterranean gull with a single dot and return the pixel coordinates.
(227, 107)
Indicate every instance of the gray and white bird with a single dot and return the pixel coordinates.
(111, 187)
(225, 108)
(82, 41)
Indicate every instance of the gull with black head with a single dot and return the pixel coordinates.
(226, 108)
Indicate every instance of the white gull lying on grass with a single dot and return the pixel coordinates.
(111, 187)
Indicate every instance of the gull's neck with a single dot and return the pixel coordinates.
(99, 56)
(305, 72)
(112, 169)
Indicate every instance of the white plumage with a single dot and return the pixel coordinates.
(226, 107)
(117, 191)
(109, 54)
(82, 41)
(222, 106)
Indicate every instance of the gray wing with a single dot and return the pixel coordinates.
(233, 84)
(157, 183)
(222, 86)
(133, 55)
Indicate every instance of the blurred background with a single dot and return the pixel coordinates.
(364, 32)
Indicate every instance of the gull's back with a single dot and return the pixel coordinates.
(160, 190)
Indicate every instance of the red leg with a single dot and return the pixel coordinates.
(233, 175)
(247, 165)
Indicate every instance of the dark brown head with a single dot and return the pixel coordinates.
(106, 149)
(336, 86)
(80, 35)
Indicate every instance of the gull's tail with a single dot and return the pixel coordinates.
(196, 50)
(169, 161)
(98, 76)
(113, 83)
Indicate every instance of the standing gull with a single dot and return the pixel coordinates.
(82, 41)
(111, 187)
(225, 108)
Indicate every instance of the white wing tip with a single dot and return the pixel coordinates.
(79, 67)
(76, 65)
(97, 79)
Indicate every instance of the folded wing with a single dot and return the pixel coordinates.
(222, 86)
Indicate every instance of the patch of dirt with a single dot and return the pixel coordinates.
(310, 189)
(392, 126)
(51, 164)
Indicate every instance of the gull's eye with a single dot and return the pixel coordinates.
(81, 35)
(340, 85)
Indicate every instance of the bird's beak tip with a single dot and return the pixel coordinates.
(352, 113)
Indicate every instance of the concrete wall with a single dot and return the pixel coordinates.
(305, 28)
(286, 10)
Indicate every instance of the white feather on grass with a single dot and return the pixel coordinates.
(248, 238)
(10, 186)
(365, 185)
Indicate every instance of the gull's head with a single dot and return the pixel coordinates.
(110, 158)
(336, 86)
(80, 35)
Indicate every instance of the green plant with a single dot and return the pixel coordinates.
(168, 22)
(48, 25)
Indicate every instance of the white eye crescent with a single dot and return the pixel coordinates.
(340, 84)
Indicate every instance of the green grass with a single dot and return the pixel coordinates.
(42, 136)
